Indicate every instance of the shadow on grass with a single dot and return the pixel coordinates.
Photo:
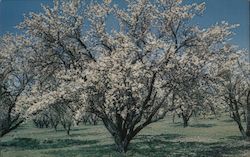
(84, 134)
(234, 138)
(177, 124)
(161, 136)
(163, 146)
(228, 120)
(158, 146)
(202, 125)
(63, 130)
(92, 151)
(180, 124)
(31, 143)
(79, 128)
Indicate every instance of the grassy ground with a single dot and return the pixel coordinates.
(204, 138)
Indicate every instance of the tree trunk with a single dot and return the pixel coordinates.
(121, 138)
(68, 128)
(237, 119)
(248, 115)
(242, 131)
(10, 128)
(173, 118)
(185, 120)
(122, 145)
(55, 127)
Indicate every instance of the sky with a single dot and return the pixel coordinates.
(232, 11)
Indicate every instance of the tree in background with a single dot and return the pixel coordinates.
(232, 81)
(15, 76)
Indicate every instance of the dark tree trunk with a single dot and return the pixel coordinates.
(185, 119)
(185, 122)
(55, 127)
(237, 119)
(68, 130)
(121, 144)
(121, 136)
(173, 118)
(10, 127)
(248, 115)
(242, 131)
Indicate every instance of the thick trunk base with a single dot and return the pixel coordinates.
(122, 148)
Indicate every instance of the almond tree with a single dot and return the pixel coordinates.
(190, 82)
(123, 74)
(232, 81)
(14, 78)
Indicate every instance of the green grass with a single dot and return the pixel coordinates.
(204, 138)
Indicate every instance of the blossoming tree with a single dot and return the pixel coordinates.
(124, 74)
(232, 83)
(15, 76)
